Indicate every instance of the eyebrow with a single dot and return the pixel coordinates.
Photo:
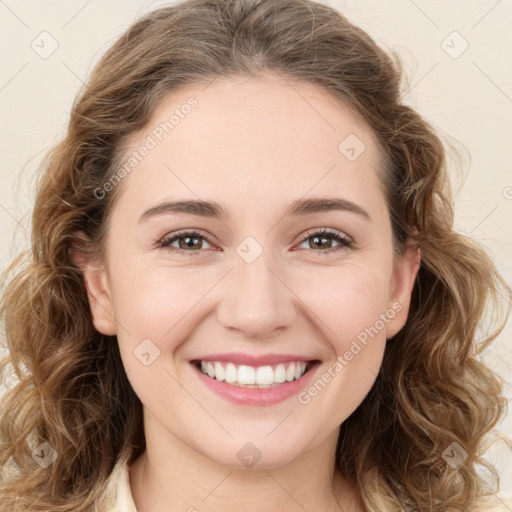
(299, 207)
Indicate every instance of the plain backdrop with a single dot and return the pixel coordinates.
(458, 75)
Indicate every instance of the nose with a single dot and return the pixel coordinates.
(256, 300)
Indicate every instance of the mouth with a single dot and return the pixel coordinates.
(248, 376)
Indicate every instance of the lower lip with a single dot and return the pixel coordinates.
(256, 396)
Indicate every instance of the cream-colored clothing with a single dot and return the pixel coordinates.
(120, 497)
(119, 494)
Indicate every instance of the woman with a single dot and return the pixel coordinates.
(318, 350)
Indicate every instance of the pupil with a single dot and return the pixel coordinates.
(319, 238)
(187, 239)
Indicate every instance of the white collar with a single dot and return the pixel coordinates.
(119, 494)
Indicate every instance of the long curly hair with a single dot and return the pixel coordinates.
(72, 391)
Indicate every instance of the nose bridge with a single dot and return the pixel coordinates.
(256, 300)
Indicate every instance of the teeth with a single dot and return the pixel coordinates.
(264, 375)
(219, 372)
(290, 372)
(246, 375)
(251, 377)
(231, 373)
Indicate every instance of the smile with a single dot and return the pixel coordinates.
(253, 377)
(261, 385)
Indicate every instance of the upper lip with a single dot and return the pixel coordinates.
(249, 360)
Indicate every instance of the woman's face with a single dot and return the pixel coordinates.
(255, 279)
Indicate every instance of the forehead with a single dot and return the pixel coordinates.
(250, 139)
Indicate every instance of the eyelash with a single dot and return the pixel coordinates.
(345, 242)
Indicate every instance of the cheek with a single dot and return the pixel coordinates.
(354, 311)
(155, 308)
(151, 305)
(348, 300)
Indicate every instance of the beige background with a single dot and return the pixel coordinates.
(465, 94)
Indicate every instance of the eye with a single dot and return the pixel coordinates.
(321, 236)
(187, 241)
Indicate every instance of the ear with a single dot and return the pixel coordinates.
(402, 283)
(98, 291)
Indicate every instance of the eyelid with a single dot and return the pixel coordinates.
(328, 231)
(166, 239)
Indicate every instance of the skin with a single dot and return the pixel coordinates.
(253, 145)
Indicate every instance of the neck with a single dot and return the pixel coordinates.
(170, 476)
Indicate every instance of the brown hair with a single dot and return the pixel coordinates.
(73, 393)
